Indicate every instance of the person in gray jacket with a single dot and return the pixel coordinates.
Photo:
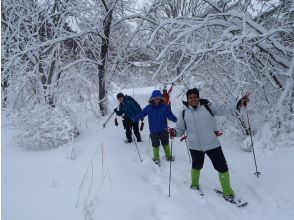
(199, 124)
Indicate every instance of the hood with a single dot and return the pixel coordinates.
(156, 94)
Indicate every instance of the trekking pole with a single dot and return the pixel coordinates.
(107, 120)
(170, 162)
(257, 173)
(136, 144)
(188, 151)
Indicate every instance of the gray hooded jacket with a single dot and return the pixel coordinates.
(200, 125)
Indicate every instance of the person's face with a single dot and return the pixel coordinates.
(193, 100)
(157, 101)
(121, 99)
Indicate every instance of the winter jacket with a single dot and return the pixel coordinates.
(129, 108)
(157, 117)
(200, 125)
(167, 96)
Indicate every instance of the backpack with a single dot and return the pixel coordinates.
(203, 102)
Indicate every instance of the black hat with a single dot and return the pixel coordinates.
(119, 95)
(192, 91)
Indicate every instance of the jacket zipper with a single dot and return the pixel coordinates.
(193, 111)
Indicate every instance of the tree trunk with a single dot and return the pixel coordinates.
(102, 66)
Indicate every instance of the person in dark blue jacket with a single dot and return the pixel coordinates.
(128, 108)
(158, 113)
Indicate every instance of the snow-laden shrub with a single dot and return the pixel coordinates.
(273, 135)
(44, 127)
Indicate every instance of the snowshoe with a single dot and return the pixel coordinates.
(197, 189)
(172, 158)
(232, 199)
(157, 162)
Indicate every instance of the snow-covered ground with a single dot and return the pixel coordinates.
(106, 180)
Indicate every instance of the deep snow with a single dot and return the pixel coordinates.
(108, 181)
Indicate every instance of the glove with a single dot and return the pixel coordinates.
(115, 110)
(244, 100)
(115, 122)
(218, 133)
(172, 132)
(142, 126)
(183, 138)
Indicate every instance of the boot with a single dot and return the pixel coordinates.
(167, 153)
(156, 153)
(224, 179)
(195, 174)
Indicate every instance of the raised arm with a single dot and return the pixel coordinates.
(170, 90)
(219, 109)
(230, 108)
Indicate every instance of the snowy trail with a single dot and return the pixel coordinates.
(153, 181)
(45, 185)
(186, 203)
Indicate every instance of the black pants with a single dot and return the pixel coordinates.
(128, 125)
(216, 156)
(158, 137)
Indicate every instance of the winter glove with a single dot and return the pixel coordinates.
(183, 138)
(115, 110)
(218, 133)
(243, 101)
(172, 132)
(142, 126)
(115, 122)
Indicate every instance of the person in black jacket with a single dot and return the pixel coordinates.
(128, 108)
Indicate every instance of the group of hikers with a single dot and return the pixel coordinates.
(196, 121)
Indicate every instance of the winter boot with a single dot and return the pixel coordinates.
(167, 153)
(156, 158)
(195, 174)
(224, 179)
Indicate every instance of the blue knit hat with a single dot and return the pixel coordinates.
(156, 94)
